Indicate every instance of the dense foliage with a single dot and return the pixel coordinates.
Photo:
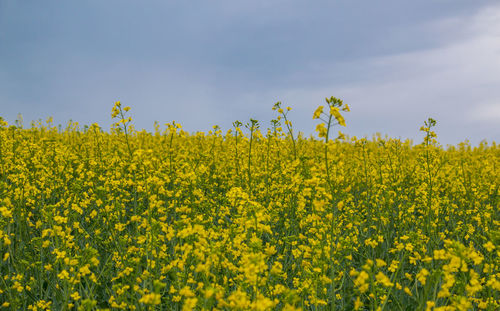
(264, 220)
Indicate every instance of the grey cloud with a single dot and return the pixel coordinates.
(203, 63)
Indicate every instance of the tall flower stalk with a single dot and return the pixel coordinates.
(334, 117)
(330, 119)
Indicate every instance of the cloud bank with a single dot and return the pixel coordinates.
(201, 64)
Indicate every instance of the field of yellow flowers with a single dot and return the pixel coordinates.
(250, 219)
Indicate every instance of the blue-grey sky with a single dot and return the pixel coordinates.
(201, 63)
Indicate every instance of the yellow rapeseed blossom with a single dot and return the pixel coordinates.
(422, 276)
(254, 218)
(151, 299)
(318, 112)
(489, 246)
(383, 279)
(335, 112)
(361, 281)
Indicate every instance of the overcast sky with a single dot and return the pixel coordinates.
(201, 63)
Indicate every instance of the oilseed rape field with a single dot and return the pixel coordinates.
(255, 218)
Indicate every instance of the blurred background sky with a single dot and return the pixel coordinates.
(201, 63)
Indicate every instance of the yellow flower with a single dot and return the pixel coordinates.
(189, 304)
(361, 281)
(5, 212)
(318, 112)
(335, 112)
(238, 300)
(63, 275)
(380, 263)
(422, 276)
(85, 270)
(17, 286)
(407, 291)
(186, 292)
(289, 307)
(76, 296)
(357, 304)
(151, 299)
(489, 246)
(383, 279)
(321, 129)
(440, 254)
